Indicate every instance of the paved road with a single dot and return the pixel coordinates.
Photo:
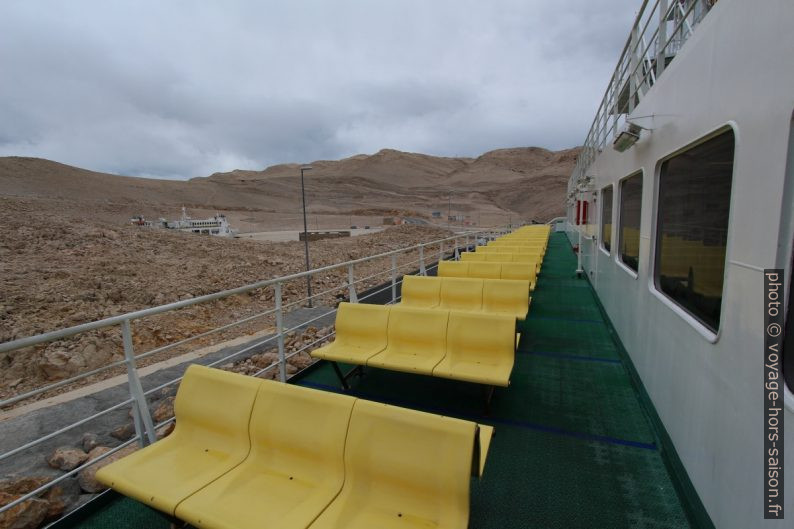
(292, 235)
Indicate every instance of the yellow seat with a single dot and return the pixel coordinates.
(472, 256)
(514, 258)
(360, 333)
(294, 470)
(416, 339)
(487, 249)
(461, 294)
(453, 268)
(420, 291)
(212, 409)
(519, 271)
(404, 469)
(506, 296)
(485, 270)
(480, 348)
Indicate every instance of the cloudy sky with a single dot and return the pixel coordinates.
(183, 88)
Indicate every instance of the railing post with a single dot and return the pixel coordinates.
(457, 253)
(632, 66)
(282, 359)
(351, 286)
(661, 38)
(422, 269)
(394, 278)
(441, 251)
(140, 413)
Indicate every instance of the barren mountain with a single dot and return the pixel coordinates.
(526, 183)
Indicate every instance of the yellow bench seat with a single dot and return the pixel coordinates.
(310, 459)
(416, 340)
(210, 439)
(404, 469)
(295, 468)
(480, 349)
(360, 334)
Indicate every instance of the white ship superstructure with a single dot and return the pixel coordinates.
(216, 225)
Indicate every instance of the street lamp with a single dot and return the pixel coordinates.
(306, 235)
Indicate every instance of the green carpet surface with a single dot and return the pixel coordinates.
(574, 445)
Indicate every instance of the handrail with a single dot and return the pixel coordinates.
(651, 22)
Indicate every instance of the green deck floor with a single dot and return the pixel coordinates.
(574, 445)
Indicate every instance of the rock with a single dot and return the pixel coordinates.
(166, 430)
(165, 410)
(27, 515)
(87, 477)
(31, 513)
(61, 497)
(90, 441)
(265, 359)
(67, 458)
(291, 369)
(56, 365)
(122, 433)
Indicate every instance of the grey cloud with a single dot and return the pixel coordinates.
(180, 89)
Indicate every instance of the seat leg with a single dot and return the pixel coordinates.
(487, 393)
(341, 376)
(344, 377)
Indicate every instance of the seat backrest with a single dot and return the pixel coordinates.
(474, 256)
(419, 463)
(213, 407)
(420, 291)
(418, 330)
(499, 257)
(520, 249)
(453, 268)
(525, 258)
(489, 339)
(518, 271)
(362, 325)
(461, 294)
(487, 249)
(485, 270)
(509, 296)
(300, 431)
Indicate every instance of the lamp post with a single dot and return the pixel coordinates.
(306, 235)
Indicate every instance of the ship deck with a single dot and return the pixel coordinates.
(577, 442)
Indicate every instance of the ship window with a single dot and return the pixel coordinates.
(629, 234)
(606, 218)
(692, 227)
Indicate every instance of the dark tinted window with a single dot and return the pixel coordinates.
(606, 218)
(630, 206)
(692, 227)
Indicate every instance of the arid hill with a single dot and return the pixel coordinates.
(526, 183)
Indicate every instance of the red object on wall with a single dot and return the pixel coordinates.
(581, 212)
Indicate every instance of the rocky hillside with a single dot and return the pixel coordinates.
(525, 183)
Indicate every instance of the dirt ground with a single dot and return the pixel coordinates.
(65, 269)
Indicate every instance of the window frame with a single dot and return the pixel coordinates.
(618, 259)
(707, 333)
(607, 251)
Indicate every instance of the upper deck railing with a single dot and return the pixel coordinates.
(658, 33)
(390, 268)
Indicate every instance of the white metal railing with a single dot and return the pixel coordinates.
(659, 31)
(427, 256)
